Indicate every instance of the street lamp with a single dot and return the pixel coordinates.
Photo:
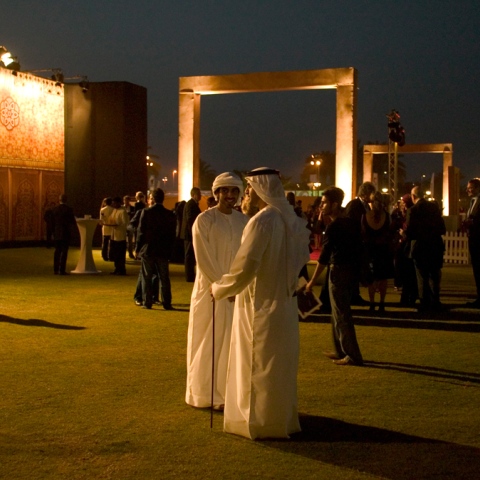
(164, 180)
(173, 177)
(316, 161)
(422, 180)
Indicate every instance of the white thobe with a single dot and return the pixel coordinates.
(119, 218)
(216, 239)
(261, 394)
(105, 213)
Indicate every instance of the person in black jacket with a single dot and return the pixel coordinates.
(155, 240)
(355, 210)
(472, 224)
(341, 249)
(425, 227)
(190, 214)
(63, 219)
(138, 295)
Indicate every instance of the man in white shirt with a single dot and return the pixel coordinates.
(105, 213)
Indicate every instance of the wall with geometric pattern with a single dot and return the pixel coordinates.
(32, 160)
(57, 138)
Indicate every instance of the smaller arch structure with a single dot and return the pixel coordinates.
(451, 174)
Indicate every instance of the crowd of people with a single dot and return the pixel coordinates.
(402, 243)
(245, 254)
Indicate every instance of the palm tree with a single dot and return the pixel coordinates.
(207, 175)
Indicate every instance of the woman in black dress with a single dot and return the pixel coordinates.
(377, 236)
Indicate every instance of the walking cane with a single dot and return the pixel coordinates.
(213, 363)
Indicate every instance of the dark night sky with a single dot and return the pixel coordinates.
(420, 57)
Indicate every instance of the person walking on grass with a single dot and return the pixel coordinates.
(342, 250)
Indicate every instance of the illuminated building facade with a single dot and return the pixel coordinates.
(57, 138)
(32, 159)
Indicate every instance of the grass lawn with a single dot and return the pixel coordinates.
(92, 387)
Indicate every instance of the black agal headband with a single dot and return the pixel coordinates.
(265, 171)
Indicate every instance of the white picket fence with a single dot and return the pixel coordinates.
(456, 248)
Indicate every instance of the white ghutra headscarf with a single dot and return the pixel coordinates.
(268, 186)
(227, 179)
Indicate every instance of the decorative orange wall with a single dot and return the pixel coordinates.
(31, 153)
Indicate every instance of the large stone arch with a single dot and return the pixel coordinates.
(344, 80)
(450, 184)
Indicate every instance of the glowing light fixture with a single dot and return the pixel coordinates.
(173, 176)
(7, 61)
(316, 161)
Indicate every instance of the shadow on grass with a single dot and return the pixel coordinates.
(421, 323)
(379, 452)
(33, 322)
(447, 320)
(181, 307)
(427, 371)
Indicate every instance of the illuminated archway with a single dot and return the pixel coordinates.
(344, 80)
(450, 184)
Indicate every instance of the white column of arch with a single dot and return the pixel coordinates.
(450, 205)
(346, 147)
(188, 143)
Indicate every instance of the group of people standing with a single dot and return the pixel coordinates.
(250, 267)
(249, 333)
(405, 245)
(243, 332)
(115, 216)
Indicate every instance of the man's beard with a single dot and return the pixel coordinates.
(248, 208)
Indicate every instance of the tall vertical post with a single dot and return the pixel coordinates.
(188, 143)
(396, 137)
(450, 177)
(346, 147)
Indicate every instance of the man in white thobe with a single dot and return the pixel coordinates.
(261, 393)
(217, 233)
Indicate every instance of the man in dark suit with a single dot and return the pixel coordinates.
(357, 207)
(355, 210)
(425, 227)
(155, 240)
(63, 219)
(473, 228)
(190, 214)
